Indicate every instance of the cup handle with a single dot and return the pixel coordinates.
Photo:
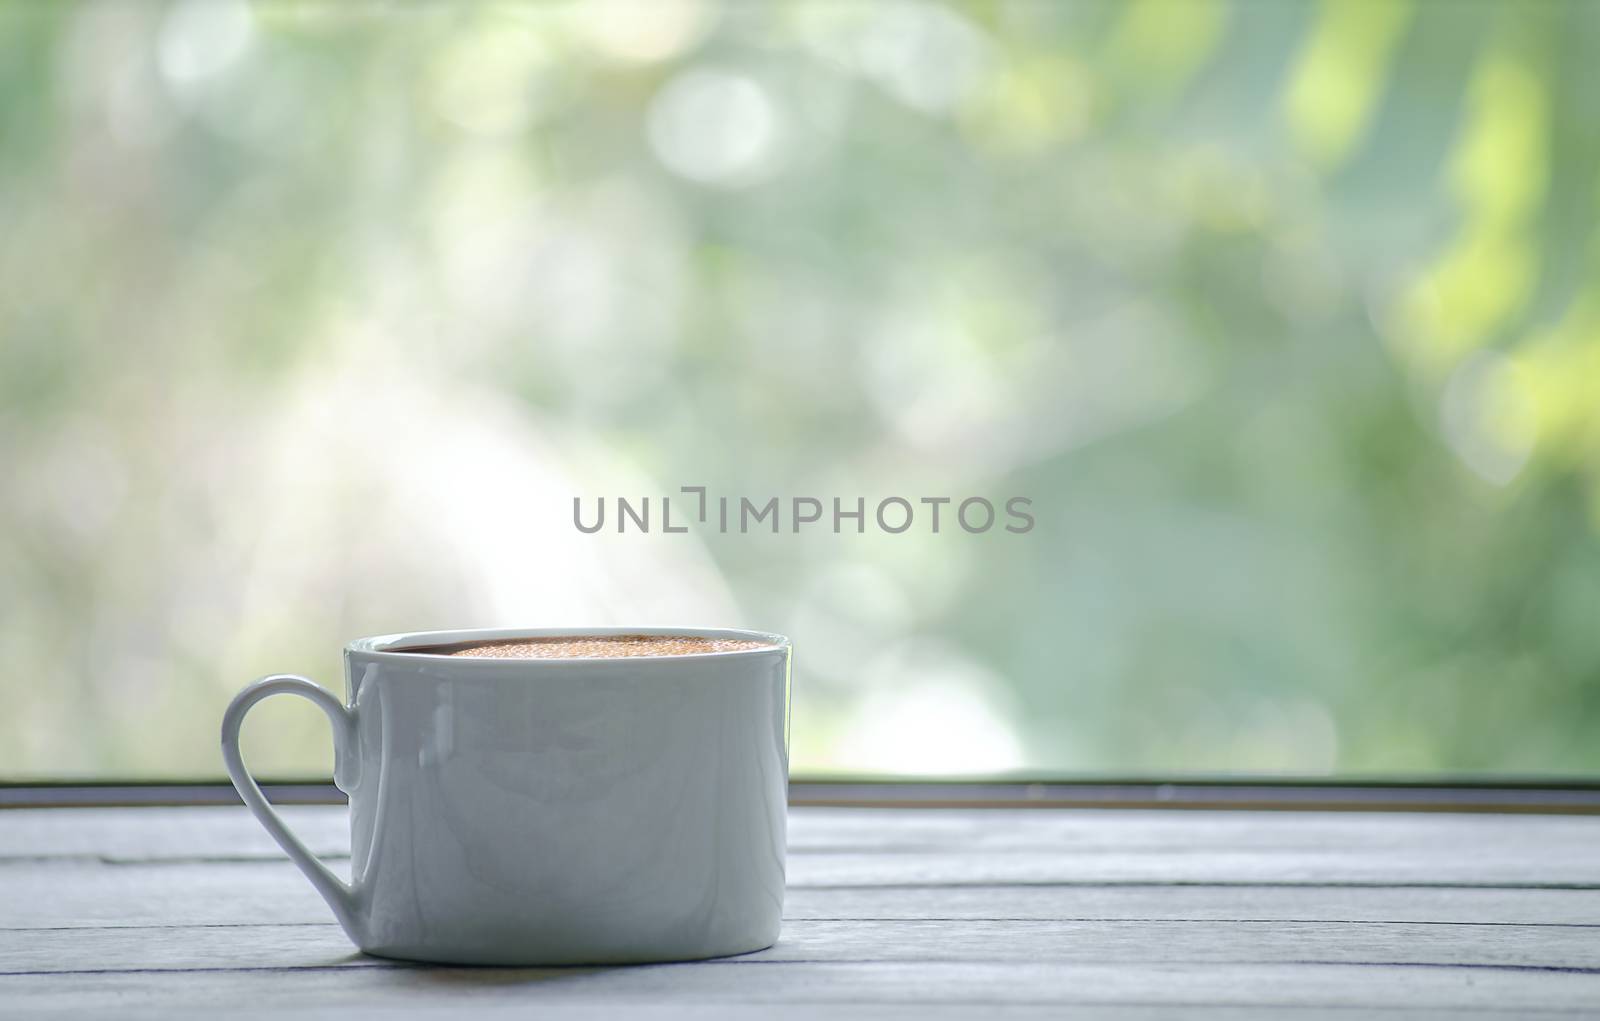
(341, 896)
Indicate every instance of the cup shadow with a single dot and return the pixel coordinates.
(490, 976)
(500, 976)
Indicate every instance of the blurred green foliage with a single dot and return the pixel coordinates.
(315, 316)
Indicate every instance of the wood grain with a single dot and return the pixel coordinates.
(74, 893)
(1569, 948)
(904, 913)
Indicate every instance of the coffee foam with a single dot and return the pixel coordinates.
(597, 647)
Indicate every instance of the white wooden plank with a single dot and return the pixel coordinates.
(182, 834)
(1202, 903)
(59, 894)
(1276, 988)
(1117, 913)
(1172, 831)
(1559, 866)
(1093, 846)
(609, 1010)
(1092, 942)
(230, 832)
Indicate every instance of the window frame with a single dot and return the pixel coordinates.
(1560, 796)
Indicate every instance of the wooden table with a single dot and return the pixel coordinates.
(910, 913)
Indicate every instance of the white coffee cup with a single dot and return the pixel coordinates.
(551, 811)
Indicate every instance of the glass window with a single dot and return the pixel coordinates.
(1096, 388)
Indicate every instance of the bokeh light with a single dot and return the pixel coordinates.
(315, 317)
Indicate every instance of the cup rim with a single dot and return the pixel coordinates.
(391, 647)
